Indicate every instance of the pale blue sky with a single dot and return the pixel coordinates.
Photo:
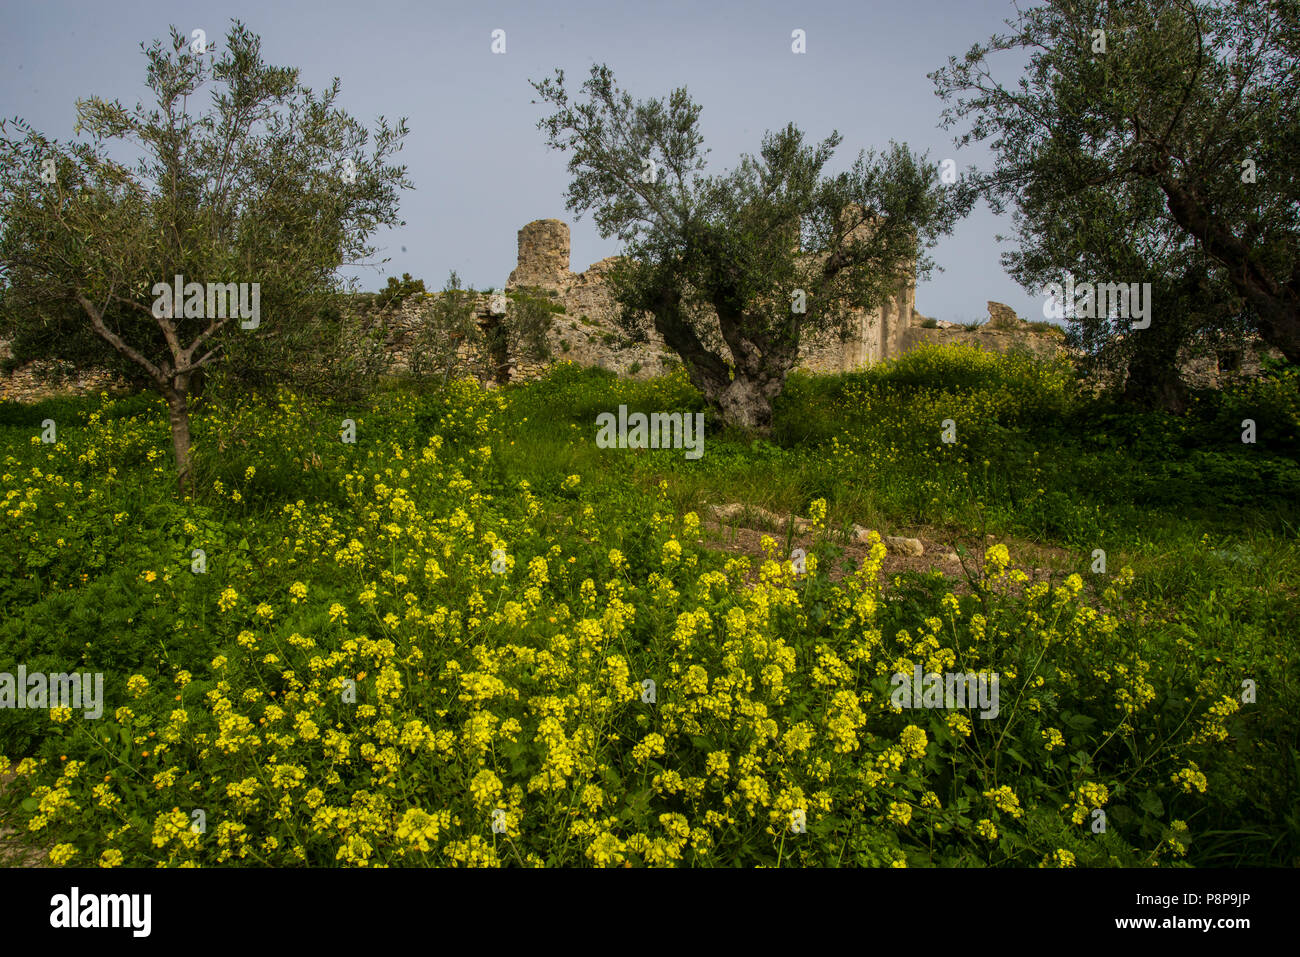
(479, 164)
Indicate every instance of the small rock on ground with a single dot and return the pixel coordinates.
(904, 546)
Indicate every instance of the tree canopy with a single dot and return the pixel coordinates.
(271, 189)
(1148, 141)
(736, 269)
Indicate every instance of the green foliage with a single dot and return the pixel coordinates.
(448, 337)
(341, 353)
(1134, 147)
(397, 291)
(528, 323)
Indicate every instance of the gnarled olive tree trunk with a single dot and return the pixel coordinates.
(742, 391)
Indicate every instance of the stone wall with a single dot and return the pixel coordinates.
(588, 332)
(1213, 369)
(586, 329)
(1003, 332)
(35, 381)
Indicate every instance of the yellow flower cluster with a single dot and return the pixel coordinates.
(658, 707)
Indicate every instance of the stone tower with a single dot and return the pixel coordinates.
(543, 256)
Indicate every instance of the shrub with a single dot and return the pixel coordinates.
(396, 291)
(447, 338)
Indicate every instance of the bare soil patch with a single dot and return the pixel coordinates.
(1040, 562)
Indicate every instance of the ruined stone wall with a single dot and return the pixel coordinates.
(589, 332)
(1210, 368)
(1003, 332)
(35, 381)
(586, 329)
(585, 332)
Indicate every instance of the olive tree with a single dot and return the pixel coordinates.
(219, 244)
(735, 269)
(1147, 141)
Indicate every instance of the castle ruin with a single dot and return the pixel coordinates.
(590, 313)
(586, 330)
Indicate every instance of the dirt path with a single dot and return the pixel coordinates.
(1040, 562)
